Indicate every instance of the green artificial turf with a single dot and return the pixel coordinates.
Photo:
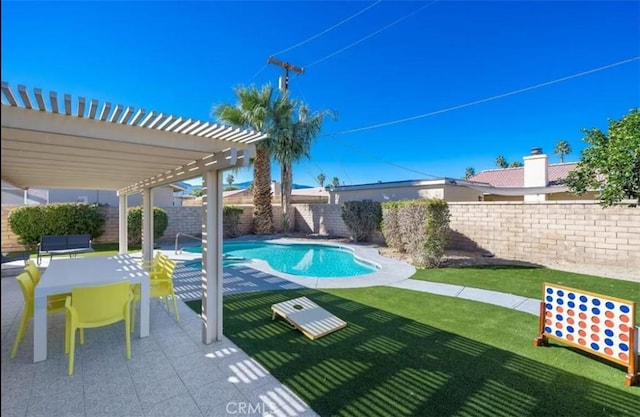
(406, 353)
(528, 281)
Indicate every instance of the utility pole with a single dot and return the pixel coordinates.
(284, 84)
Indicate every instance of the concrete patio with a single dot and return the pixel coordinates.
(171, 372)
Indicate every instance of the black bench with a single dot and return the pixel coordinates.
(64, 245)
(10, 257)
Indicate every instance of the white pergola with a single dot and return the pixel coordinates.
(52, 141)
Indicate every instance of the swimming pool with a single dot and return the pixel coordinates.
(302, 259)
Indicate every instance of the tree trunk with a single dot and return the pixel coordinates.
(262, 214)
(287, 179)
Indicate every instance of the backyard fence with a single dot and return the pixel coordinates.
(564, 231)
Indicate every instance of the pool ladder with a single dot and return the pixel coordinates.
(185, 235)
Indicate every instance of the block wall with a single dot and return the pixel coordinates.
(566, 231)
(562, 231)
(553, 231)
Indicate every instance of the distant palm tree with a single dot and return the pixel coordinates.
(321, 179)
(469, 172)
(501, 162)
(230, 179)
(562, 148)
(335, 182)
(516, 164)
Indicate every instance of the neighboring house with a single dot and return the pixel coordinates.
(245, 196)
(448, 189)
(309, 195)
(162, 196)
(535, 181)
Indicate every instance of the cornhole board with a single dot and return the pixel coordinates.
(308, 317)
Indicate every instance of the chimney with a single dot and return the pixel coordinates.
(535, 173)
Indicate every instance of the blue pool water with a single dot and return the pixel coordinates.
(307, 260)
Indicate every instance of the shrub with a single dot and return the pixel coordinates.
(419, 228)
(390, 225)
(30, 223)
(438, 232)
(231, 221)
(361, 218)
(134, 224)
(413, 225)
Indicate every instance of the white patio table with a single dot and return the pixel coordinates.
(64, 274)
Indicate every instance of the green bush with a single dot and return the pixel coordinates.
(390, 225)
(438, 232)
(30, 223)
(417, 227)
(134, 224)
(362, 218)
(231, 221)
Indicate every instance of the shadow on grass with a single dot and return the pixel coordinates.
(382, 364)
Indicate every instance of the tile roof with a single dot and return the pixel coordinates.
(514, 177)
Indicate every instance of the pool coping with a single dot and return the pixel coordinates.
(391, 270)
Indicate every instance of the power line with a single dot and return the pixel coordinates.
(484, 100)
(327, 30)
(259, 71)
(376, 157)
(373, 156)
(372, 34)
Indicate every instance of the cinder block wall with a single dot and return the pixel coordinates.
(562, 231)
(566, 231)
(9, 240)
(320, 219)
(181, 220)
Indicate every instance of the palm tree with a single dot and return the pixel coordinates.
(291, 142)
(562, 148)
(255, 109)
(335, 182)
(516, 164)
(321, 178)
(469, 172)
(501, 162)
(230, 179)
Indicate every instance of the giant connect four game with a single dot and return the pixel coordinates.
(601, 325)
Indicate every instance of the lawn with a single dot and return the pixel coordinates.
(410, 353)
(527, 281)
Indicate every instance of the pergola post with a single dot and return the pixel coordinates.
(123, 244)
(212, 257)
(147, 224)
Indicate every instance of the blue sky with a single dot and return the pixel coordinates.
(395, 60)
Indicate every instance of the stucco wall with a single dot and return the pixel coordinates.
(385, 194)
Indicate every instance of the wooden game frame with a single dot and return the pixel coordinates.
(543, 337)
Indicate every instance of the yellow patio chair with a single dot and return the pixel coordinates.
(34, 272)
(53, 307)
(160, 286)
(97, 306)
(31, 268)
(155, 264)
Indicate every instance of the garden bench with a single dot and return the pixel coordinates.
(20, 256)
(64, 245)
